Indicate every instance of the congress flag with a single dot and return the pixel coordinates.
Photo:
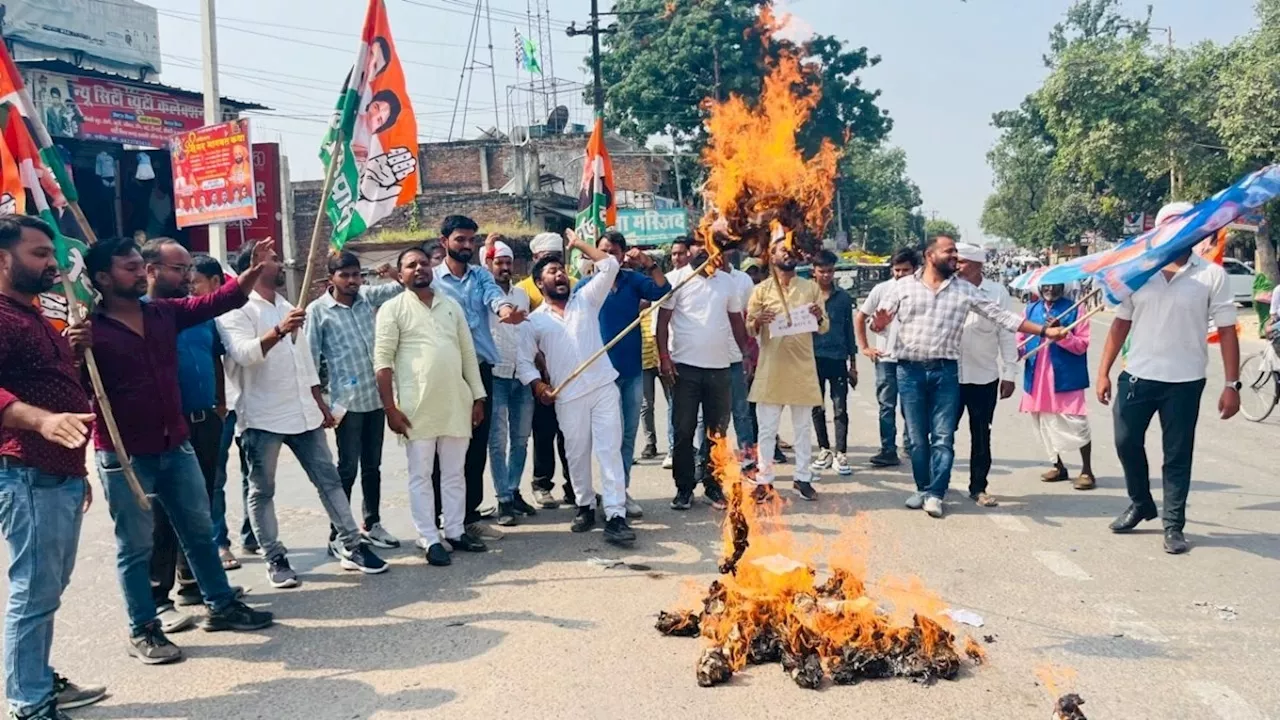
(597, 208)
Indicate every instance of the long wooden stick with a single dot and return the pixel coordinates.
(1063, 314)
(335, 159)
(74, 317)
(1072, 326)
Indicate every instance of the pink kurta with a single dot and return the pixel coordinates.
(1042, 398)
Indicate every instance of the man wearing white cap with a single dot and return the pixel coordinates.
(512, 419)
(1166, 321)
(988, 365)
(546, 428)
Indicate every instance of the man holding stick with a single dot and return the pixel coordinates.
(566, 330)
(1165, 322)
(931, 306)
(135, 344)
(44, 424)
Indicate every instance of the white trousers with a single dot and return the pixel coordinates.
(592, 425)
(453, 488)
(1061, 434)
(770, 417)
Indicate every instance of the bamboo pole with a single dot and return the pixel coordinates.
(73, 312)
(1063, 314)
(1070, 327)
(335, 159)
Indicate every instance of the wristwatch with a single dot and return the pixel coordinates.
(1235, 385)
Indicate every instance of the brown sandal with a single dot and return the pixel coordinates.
(1084, 481)
(1054, 475)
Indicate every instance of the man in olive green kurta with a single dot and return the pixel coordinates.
(786, 373)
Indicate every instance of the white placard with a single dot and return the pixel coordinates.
(802, 321)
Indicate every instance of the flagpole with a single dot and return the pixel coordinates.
(74, 317)
(1070, 327)
(335, 159)
(1063, 314)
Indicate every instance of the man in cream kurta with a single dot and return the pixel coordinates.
(566, 330)
(429, 381)
(786, 373)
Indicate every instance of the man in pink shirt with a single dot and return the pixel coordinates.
(1055, 380)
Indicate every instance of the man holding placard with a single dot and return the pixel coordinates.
(784, 313)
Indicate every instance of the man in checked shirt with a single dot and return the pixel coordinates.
(931, 307)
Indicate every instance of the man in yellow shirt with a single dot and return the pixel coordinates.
(546, 429)
(430, 386)
(786, 373)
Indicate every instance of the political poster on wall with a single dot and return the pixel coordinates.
(213, 175)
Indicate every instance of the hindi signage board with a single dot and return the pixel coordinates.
(121, 31)
(213, 175)
(652, 227)
(84, 108)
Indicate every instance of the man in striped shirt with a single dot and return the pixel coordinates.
(931, 307)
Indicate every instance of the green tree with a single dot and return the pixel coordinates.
(876, 196)
(936, 227)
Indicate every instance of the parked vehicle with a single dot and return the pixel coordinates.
(1240, 276)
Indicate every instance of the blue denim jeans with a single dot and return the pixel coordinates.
(40, 518)
(930, 393)
(632, 391)
(311, 449)
(887, 398)
(173, 479)
(743, 426)
(218, 506)
(512, 422)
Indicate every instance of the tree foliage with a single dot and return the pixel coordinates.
(936, 227)
(878, 199)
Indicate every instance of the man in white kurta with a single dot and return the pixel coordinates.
(429, 381)
(566, 330)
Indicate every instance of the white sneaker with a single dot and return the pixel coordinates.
(915, 501)
(841, 464)
(667, 462)
(633, 508)
(173, 620)
(822, 461)
(379, 537)
(933, 506)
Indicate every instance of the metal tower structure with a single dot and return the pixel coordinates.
(471, 63)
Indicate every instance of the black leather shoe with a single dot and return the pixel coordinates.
(468, 543)
(438, 556)
(585, 520)
(521, 507)
(1130, 518)
(1175, 543)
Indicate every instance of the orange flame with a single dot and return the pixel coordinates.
(757, 174)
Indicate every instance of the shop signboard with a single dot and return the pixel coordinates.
(213, 175)
(652, 227)
(121, 31)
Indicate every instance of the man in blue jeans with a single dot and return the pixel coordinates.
(44, 424)
(135, 345)
(931, 307)
(879, 349)
(641, 279)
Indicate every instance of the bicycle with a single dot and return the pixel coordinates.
(1260, 384)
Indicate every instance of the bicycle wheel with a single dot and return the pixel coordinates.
(1258, 394)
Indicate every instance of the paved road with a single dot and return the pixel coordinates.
(533, 628)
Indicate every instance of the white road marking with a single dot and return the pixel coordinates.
(1060, 565)
(1223, 701)
(1007, 522)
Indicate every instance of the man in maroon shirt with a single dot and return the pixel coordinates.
(135, 344)
(44, 424)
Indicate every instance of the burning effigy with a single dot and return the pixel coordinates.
(769, 606)
(760, 186)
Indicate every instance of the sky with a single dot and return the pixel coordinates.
(946, 66)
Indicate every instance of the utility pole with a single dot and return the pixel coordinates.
(594, 30)
(212, 108)
(1173, 158)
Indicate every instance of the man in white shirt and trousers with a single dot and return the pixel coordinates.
(988, 365)
(566, 330)
(1167, 322)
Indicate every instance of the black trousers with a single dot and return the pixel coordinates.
(697, 388)
(980, 402)
(359, 437)
(1137, 401)
(477, 454)
(548, 441)
(833, 372)
(167, 560)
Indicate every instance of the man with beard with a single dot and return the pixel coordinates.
(787, 376)
(169, 272)
(135, 345)
(339, 330)
(473, 288)
(279, 402)
(931, 307)
(695, 327)
(44, 425)
(430, 387)
(566, 330)
(547, 438)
